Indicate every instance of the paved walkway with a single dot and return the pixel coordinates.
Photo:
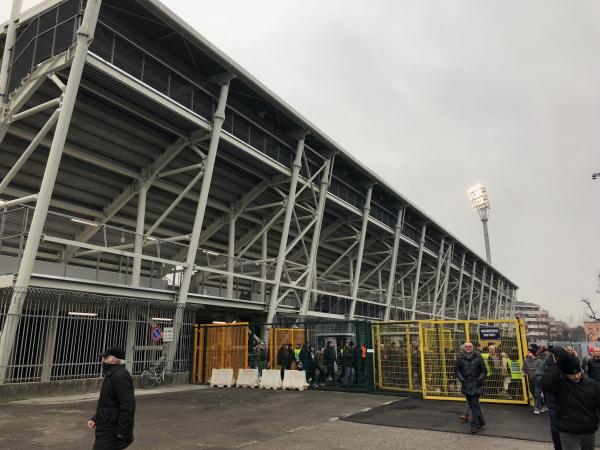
(231, 418)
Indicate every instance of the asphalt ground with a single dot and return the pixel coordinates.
(238, 418)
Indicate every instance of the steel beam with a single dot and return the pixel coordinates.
(289, 209)
(471, 290)
(392, 277)
(489, 301)
(361, 248)
(314, 245)
(460, 282)
(9, 42)
(438, 275)
(446, 282)
(481, 293)
(139, 236)
(230, 256)
(418, 274)
(85, 35)
(210, 160)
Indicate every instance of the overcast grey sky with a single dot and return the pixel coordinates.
(436, 96)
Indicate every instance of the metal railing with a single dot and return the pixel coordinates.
(62, 333)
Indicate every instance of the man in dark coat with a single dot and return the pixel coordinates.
(471, 371)
(285, 358)
(330, 358)
(593, 365)
(577, 401)
(115, 412)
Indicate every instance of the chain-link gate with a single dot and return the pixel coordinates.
(398, 360)
(219, 346)
(419, 357)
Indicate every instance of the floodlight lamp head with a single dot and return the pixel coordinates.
(480, 200)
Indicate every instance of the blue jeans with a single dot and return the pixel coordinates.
(537, 393)
(348, 376)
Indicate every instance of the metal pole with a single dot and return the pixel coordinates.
(471, 289)
(11, 34)
(459, 291)
(392, 277)
(139, 236)
(499, 286)
(481, 293)
(418, 274)
(131, 333)
(314, 245)
(486, 237)
(361, 248)
(230, 256)
(489, 301)
(446, 282)
(85, 35)
(289, 209)
(263, 266)
(438, 274)
(186, 280)
(50, 344)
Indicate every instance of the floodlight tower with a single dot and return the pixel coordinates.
(481, 204)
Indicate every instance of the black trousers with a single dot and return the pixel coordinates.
(476, 416)
(106, 439)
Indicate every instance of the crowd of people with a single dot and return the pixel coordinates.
(562, 384)
(322, 366)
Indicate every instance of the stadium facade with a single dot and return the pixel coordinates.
(146, 179)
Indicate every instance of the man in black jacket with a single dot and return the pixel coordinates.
(593, 365)
(330, 358)
(113, 420)
(470, 369)
(577, 401)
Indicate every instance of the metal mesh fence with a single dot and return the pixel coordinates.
(219, 346)
(500, 344)
(398, 360)
(61, 333)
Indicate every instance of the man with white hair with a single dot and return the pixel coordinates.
(113, 421)
(470, 369)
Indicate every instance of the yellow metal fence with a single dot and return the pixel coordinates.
(419, 357)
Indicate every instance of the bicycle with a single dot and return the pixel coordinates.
(157, 374)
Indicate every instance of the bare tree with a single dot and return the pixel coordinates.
(590, 312)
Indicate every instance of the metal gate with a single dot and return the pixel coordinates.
(281, 336)
(219, 346)
(419, 357)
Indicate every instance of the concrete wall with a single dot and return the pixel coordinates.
(22, 391)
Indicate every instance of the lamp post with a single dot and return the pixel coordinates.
(481, 204)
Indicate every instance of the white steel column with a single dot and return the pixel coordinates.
(489, 302)
(11, 34)
(418, 274)
(263, 266)
(230, 256)
(361, 248)
(438, 274)
(499, 287)
(85, 35)
(446, 281)
(459, 291)
(211, 157)
(139, 236)
(392, 277)
(471, 290)
(289, 209)
(132, 311)
(314, 245)
(481, 293)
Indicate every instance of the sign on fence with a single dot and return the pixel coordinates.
(488, 333)
(167, 334)
(156, 333)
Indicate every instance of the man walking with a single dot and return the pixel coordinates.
(577, 401)
(113, 421)
(471, 371)
(330, 358)
(593, 365)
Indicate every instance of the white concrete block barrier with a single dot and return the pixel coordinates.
(295, 379)
(222, 378)
(271, 379)
(247, 378)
